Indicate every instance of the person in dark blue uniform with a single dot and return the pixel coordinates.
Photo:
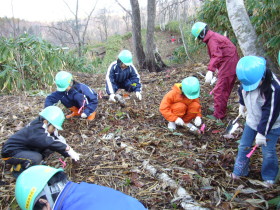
(122, 74)
(77, 97)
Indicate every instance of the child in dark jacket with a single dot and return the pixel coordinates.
(36, 141)
(122, 74)
(77, 97)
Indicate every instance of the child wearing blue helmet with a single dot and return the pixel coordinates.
(260, 94)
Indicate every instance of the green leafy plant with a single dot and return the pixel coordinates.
(27, 62)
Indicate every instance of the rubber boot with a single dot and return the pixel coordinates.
(92, 116)
(74, 112)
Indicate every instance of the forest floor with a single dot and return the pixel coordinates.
(130, 148)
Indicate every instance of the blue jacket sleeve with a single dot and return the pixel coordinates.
(91, 99)
(135, 78)
(110, 81)
(270, 109)
(53, 98)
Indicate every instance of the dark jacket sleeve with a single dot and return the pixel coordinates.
(41, 139)
(33, 137)
(135, 78)
(91, 99)
(53, 98)
(241, 99)
(110, 80)
(270, 109)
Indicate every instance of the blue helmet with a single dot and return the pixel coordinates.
(250, 71)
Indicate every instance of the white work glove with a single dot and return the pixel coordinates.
(197, 121)
(171, 126)
(260, 139)
(74, 155)
(191, 127)
(242, 111)
(139, 96)
(208, 77)
(112, 97)
(179, 121)
(213, 81)
(83, 115)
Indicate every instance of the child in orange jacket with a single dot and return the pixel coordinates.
(180, 105)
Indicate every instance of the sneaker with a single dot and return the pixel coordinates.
(269, 183)
(234, 177)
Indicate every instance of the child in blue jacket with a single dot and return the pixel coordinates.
(78, 97)
(45, 187)
(122, 74)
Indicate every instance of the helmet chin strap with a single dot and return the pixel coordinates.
(48, 191)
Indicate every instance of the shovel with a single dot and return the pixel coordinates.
(232, 125)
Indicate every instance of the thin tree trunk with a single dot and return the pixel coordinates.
(150, 55)
(181, 31)
(244, 31)
(136, 33)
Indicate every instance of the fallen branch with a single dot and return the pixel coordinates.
(187, 202)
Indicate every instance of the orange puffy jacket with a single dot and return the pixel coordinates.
(175, 104)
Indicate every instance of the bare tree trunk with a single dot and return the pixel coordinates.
(243, 29)
(181, 29)
(150, 56)
(79, 31)
(136, 33)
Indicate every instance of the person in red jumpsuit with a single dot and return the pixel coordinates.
(223, 60)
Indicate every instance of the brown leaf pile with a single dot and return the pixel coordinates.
(115, 145)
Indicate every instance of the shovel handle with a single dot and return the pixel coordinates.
(236, 119)
(252, 151)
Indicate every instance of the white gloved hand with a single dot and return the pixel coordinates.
(191, 127)
(260, 139)
(242, 111)
(208, 77)
(74, 155)
(112, 97)
(213, 80)
(171, 126)
(83, 115)
(197, 121)
(139, 96)
(179, 121)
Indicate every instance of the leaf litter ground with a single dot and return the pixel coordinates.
(116, 146)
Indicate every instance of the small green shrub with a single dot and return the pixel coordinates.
(28, 62)
(127, 36)
(173, 26)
